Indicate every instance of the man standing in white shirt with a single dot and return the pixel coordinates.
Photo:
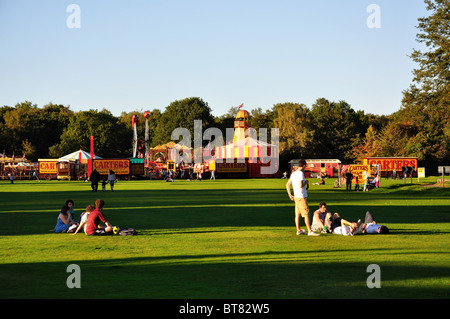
(300, 197)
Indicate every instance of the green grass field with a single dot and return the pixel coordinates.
(223, 239)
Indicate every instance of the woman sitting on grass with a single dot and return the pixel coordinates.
(84, 218)
(64, 221)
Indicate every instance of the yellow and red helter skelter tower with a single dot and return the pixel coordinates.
(246, 155)
(241, 123)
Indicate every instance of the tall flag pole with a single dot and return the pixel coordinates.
(134, 123)
(90, 161)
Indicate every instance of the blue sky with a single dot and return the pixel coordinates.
(143, 55)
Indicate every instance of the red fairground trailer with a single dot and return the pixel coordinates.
(316, 168)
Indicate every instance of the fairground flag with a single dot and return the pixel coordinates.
(241, 106)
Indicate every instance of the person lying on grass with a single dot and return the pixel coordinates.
(370, 226)
(340, 226)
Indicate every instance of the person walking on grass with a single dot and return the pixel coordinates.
(300, 197)
(111, 179)
(94, 178)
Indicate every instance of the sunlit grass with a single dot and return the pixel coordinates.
(223, 239)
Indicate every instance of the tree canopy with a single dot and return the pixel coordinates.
(327, 129)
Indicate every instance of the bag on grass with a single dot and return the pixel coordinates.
(127, 232)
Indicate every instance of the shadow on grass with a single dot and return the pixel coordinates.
(230, 276)
(36, 213)
(185, 217)
(271, 274)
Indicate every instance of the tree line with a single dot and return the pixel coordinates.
(326, 129)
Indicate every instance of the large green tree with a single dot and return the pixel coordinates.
(260, 119)
(425, 111)
(295, 128)
(31, 130)
(181, 114)
(335, 124)
(6, 134)
(111, 137)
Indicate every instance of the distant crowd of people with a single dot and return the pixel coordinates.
(186, 174)
(168, 175)
(369, 182)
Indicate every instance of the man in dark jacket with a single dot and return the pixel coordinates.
(94, 178)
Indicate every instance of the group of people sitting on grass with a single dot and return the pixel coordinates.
(89, 221)
(325, 222)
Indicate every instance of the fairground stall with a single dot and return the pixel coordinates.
(137, 169)
(60, 169)
(47, 168)
(72, 166)
(359, 173)
(394, 167)
(20, 168)
(120, 166)
(246, 156)
(319, 168)
(165, 159)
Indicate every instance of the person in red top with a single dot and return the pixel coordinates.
(92, 224)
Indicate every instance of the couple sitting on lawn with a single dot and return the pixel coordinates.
(90, 220)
